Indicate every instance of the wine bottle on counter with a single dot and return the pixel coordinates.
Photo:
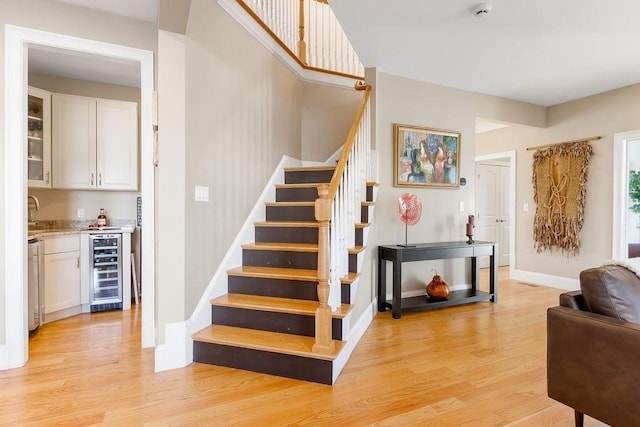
(102, 219)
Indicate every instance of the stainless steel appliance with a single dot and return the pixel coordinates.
(35, 289)
(106, 271)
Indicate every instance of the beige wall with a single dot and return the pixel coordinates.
(243, 113)
(327, 115)
(70, 20)
(405, 101)
(63, 204)
(598, 115)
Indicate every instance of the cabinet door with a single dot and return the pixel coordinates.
(117, 145)
(39, 138)
(61, 281)
(74, 142)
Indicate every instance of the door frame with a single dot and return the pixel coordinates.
(17, 42)
(511, 157)
(620, 190)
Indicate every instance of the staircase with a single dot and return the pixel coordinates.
(266, 323)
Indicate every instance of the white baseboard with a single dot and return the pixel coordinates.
(548, 280)
(177, 351)
(354, 337)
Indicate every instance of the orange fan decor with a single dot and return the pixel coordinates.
(409, 211)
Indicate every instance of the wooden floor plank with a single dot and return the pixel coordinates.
(475, 365)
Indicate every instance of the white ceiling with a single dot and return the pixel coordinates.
(544, 52)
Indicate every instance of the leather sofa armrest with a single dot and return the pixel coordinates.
(593, 364)
(573, 300)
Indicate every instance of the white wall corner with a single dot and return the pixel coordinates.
(357, 331)
(177, 352)
(547, 280)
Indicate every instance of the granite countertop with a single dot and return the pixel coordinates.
(62, 228)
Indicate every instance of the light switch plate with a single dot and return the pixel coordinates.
(80, 213)
(202, 194)
(525, 207)
(461, 206)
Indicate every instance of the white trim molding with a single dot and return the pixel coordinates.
(547, 280)
(620, 189)
(17, 42)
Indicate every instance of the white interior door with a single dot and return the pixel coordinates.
(492, 206)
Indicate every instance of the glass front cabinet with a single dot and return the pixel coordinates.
(39, 138)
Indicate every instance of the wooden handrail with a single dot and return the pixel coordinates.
(351, 139)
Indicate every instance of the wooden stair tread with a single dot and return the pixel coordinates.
(309, 168)
(290, 203)
(356, 249)
(362, 224)
(367, 203)
(287, 247)
(276, 304)
(349, 278)
(264, 340)
(308, 224)
(372, 184)
(275, 273)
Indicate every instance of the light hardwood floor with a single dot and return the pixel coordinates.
(481, 364)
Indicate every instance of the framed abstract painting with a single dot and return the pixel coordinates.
(425, 157)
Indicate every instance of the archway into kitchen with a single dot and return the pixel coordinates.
(17, 42)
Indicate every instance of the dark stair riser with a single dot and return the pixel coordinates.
(280, 259)
(286, 234)
(291, 213)
(364, 213)
(369, 193)
(353, 263)
(306, 194)
(308, 176)
(286, 323)
(295, 289)
(359, 237)
(284, 365)
(282, 288)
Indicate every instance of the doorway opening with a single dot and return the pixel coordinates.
(17, 42)
(626, 219)
(503, 205)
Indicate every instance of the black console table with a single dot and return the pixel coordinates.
(430, 251)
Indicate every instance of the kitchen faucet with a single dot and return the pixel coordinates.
(37, 208)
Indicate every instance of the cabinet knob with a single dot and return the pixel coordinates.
(48, 177)
(91, 178)
(100, 179)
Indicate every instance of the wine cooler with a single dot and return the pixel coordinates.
(106, 271)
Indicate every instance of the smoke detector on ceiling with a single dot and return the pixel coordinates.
(482, 9)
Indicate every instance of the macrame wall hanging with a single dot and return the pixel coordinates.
(559, 185)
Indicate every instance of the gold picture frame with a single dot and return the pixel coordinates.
(425, 157)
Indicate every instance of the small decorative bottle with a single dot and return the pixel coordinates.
(102, 218)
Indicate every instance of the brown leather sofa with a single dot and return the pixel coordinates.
(593, 347)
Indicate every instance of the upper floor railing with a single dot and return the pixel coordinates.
(309, 31)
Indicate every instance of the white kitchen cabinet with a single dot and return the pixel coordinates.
(94, 143)
(39, 138)
(61, 274)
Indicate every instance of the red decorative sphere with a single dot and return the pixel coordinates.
(409, 208)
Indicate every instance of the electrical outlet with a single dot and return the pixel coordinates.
(80, 213)
(461, 206)
(525, 207)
